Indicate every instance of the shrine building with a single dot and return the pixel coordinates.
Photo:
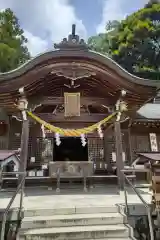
(75, 106)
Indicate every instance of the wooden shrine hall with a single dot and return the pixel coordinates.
(70, 88)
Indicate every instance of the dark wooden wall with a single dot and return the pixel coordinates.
(100, 150)
(4, 136)
(15, 129)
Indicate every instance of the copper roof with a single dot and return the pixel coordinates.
(154, 156)
(4, 154)
(149, 111)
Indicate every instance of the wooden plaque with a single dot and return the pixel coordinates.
(72, 104)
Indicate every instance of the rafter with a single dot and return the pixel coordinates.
(84, 117)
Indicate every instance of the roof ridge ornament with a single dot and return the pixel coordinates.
(72, 43)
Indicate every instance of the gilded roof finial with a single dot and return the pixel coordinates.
(72, 43)
(73, 30)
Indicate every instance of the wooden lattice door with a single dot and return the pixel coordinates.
(15, 134)
(96, 152)
(139, 143)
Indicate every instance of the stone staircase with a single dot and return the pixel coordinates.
(75, 224)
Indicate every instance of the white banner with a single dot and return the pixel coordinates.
(153, 142)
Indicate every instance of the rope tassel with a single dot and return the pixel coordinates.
(83, 140)
(58, 140)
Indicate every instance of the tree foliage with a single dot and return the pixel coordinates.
(136, 44)
(100, 43)
(13, 50)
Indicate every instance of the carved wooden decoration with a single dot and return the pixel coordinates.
(73, 72)
(72, 104)
(153, 142)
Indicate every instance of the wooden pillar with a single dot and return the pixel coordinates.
(107, 149)
(24, 147)
(127, 142)
(119, 154)
(130, 145)
(34, 128)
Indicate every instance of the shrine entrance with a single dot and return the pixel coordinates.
(70, 149)
(72, 91)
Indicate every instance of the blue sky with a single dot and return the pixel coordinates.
(48, 21)
(91, 11)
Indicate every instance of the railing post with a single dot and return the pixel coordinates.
(58, 173)
(4, 218)
(150, 223)
(1, 178)
(125, 198)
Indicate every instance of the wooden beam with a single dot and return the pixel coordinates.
(85, 117)
(84, 101)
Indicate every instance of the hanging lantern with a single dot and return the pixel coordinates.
(83, 140)
(100, 131)
(58, 140)
(43, 131)
(118, 116)
(22, 105)
(121, 106)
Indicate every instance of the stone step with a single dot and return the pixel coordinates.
(76, 232)
(102, 239)
(70, 210)
(72, 220)
(109, 239)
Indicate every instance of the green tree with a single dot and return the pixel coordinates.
(100, 43)
(13, 50)
(151, 2)
(136, 44)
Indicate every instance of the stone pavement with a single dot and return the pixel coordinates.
(41, 198)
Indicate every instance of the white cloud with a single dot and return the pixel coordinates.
(112, 10)
(45, 21)
(117, 10)
(35, 44)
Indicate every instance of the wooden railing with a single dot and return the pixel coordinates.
(20, 188)
(146, 205)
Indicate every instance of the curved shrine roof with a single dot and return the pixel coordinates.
(90, 69)
(150, 111)
(73, 54)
